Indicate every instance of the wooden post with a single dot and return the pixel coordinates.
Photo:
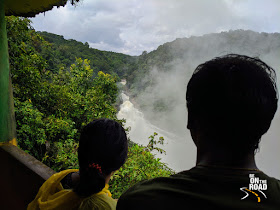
(7, 118)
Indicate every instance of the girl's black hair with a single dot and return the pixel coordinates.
(104, 143)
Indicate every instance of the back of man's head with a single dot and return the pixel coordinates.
(232, 100)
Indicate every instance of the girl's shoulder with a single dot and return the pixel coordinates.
(98, 201)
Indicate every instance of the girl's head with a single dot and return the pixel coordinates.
(103, 143)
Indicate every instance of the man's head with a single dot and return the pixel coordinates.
(231, 101)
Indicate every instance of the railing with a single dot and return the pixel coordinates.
(21, 176)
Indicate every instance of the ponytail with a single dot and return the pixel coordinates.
(91, 181)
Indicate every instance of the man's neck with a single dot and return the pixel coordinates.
(225, 158)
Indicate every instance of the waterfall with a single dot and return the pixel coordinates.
(180, 153)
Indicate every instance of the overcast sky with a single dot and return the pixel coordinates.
(132, 26)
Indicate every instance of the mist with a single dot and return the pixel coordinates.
(169, 88)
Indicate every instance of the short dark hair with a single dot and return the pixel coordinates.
(234, 98)
(102, 142)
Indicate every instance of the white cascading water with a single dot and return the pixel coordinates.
(180, 153)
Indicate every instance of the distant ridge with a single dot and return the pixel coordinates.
(189, 52)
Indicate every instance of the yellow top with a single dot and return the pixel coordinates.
(52, 195)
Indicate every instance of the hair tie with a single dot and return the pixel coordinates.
(95, 165)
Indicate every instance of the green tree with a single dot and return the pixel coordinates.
(141, 164)
(30, 128)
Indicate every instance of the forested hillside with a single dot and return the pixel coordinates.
(191, 51)
(65, 51)
(57, 90)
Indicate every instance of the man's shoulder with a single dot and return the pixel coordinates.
(155, 192)
(160, 183)
(201, 188)
(271, 181)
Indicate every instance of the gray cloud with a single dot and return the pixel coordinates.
(134, 26)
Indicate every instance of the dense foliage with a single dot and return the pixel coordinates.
(56, 93)
(52, 106)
